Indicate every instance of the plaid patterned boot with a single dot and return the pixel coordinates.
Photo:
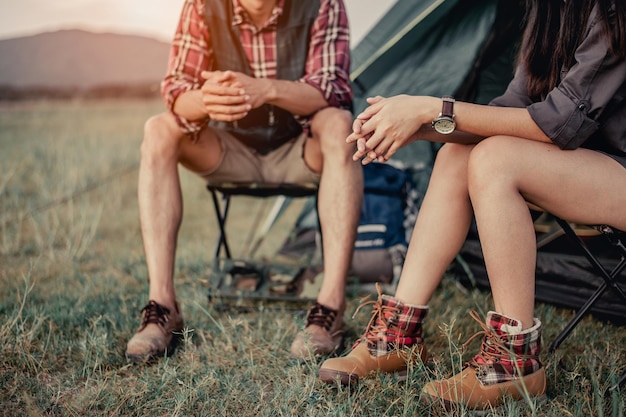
(392, 340)
(507, 365)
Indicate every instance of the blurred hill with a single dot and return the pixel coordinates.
(77, 62)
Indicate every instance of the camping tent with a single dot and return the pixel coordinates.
(432, 47)
(437, 47)
(465, 48)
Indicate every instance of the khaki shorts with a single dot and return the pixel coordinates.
(241, 164)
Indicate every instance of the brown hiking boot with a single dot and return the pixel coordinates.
(506, 366)
(158, 333)
(322, 334)
(392, 340)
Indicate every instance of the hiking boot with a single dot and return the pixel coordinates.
(392, 341)
(322, 334)
(158, 334)
(507, 365)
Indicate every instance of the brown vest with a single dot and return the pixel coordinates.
(267, 127)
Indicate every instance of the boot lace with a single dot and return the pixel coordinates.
(492, 348)
(155, 313)
(377, 326)
(322, 316)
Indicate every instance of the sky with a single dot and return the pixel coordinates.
(154, 18)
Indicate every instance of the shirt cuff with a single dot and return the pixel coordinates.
(189, 127)
(334, 95)
(563, 120)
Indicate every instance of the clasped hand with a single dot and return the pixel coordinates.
(228, 96)
(384, 127)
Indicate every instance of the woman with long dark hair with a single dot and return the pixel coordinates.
(555, 139)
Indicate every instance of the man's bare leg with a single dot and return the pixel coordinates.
(339, 205)
(160, 212)
(340, 198)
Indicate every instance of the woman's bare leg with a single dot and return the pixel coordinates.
(580, 185)
(441, 227)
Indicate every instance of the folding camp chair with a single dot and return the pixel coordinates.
(254, 189)
(609, 277)
(221, 194)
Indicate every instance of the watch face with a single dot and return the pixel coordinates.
(445, 126)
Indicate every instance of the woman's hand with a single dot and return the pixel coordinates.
(362, 150)
(388, 124)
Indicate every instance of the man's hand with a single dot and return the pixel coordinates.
(224, 97)
(256, 90)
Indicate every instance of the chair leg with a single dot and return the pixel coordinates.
(261, 233)
(222, 213)
(609, 281)
(609, 278)
(577, 318)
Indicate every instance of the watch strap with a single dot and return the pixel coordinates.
(448, 105)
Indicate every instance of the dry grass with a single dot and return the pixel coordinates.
(73, 280)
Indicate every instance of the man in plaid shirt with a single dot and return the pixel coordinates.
(256, 90)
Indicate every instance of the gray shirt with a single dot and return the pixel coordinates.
(587, 109)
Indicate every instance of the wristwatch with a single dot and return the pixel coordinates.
(444, 122)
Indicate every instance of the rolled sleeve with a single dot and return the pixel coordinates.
(328, 63)
(565, 120)
(190, 127)
(190, 54)
(571, 113)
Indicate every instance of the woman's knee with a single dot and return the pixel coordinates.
(492, 162)
(451, 160)
(450, 169)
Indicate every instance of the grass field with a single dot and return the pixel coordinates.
(73, 279)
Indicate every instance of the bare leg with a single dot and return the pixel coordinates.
(392, 341)
(160, 199)
(441, 227)
(506, 172)
(339, 199)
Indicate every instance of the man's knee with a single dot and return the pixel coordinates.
(331, 126)
(161, 136)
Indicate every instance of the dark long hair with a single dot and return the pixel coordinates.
(556, 28)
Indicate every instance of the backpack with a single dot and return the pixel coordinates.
(390, 205)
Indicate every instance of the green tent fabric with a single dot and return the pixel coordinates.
(438, 47)
(434, 47)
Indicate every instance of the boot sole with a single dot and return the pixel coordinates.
(149, 358)
(452, 406)
(330, 376)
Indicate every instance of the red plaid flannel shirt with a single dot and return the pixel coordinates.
(327, 68)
